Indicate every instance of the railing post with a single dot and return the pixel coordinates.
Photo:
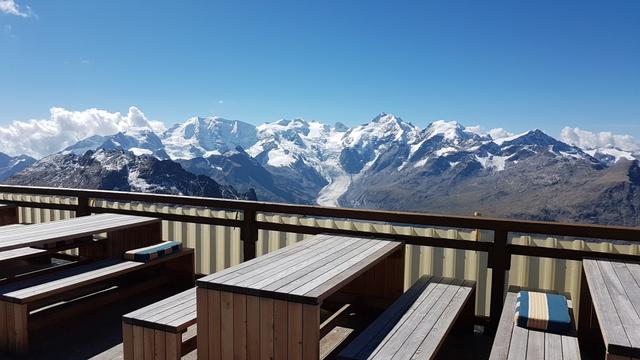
(249, 234)
(500, 264)
(83, 206)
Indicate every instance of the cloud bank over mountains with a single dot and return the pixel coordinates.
(41, 137)
(590, 140)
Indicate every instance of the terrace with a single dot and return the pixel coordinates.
(494, 254)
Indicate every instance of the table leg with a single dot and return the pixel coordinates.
(8, 215)
(118, 242)
(14, 328)
(379, 286)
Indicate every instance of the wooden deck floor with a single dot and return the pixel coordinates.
(98, 336)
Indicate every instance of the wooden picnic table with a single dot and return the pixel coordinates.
(124, 232)
(610, 307)
(270, 306)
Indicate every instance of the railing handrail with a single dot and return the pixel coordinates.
(410, 218)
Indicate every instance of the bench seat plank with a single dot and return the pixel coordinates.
(20, 253)
(19, 299)
(416, 324)
(173, 314)
(41, 287)
(514, 342)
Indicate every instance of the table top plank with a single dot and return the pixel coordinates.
(305, 266)
(38, 234)
(611, 324)
(337, 280)
(626, 312)
(247, 266)
(330, 267)
(294, 261)
(307, 271)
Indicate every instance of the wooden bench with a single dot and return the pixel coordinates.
(157, 331)
(417, 324)
(514, 342)
(19, 299)
(8, 214)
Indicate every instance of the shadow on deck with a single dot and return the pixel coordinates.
(98, 335)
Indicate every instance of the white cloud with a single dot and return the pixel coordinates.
(497, 133)
(11, 8)
(41, 137)
(590, 140)
(500, 133)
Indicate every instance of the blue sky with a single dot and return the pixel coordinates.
(511, 64)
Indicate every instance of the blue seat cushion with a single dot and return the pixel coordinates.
(154, 251)
(542, 311)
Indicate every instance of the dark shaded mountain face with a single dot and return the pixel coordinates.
(122, 171)
(237, 168)
(539, 187)
(10, 165)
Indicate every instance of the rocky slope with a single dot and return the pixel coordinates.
(10, 165)
(123, 171)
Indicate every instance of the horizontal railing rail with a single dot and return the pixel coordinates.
(499, 250)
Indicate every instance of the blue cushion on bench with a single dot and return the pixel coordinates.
(154, 251)
(542, 311)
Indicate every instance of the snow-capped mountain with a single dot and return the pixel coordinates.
(392, 164)
(201, 137)
(611, 155)
(120, 170)
(305, 153)
(138, 140)
(10, 165)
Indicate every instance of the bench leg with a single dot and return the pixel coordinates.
(120, 241)
(14, 329)
(139, 343)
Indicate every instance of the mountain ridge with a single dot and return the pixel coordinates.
(388, 163)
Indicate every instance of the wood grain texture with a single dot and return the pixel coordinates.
(294, 336)
(307, 272)
(202, 303)
(253, 327)
(75, 228)
(226, 325)
(310, 331)
(611, 285)
(239, 326)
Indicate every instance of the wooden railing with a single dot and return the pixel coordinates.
(499, 250)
